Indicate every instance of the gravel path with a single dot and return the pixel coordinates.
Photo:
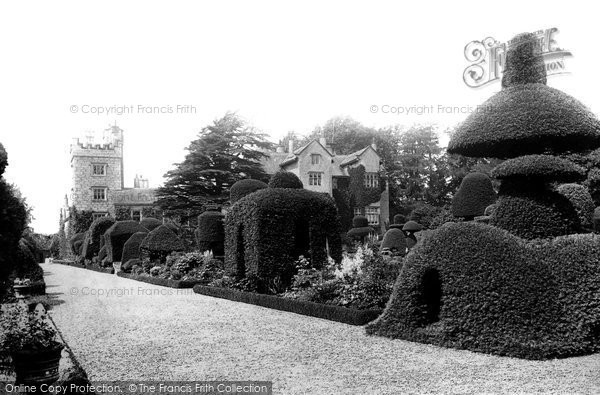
(147, 332)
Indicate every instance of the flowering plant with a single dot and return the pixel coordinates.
(24, 330)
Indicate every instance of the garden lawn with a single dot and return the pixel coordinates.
(146, 332)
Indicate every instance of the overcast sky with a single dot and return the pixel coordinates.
(281, 65)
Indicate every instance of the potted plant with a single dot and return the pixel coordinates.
(23, 288)
(30, 340)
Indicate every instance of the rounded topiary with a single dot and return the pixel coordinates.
(399, 219)
(582, 202)
(243, 188)
(117, 235)
(150, 223)
(476, 287)
(95, 236)
(541, 167)
(533, 212)
(395, 241)
(473, 196)
(210, 235)
(285, 179)
(360, 221)
(359, 234)
(160, 242)
(131, 248)
(77, 238)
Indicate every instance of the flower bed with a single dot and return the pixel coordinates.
(165, 282)
(319, 310)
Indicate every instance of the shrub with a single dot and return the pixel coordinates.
(131, 248)
(95, 235)
(533, 300)
(3, 159)
(534, 212)
(424, 214)
(541, 167)
(473, 196)
(395, 241)
(244, 187)
(399, 219)
(210, 235)
(76, 242)
(285, 179)
(360, 229)
(150, 223)
(266, 232)
(360, 221)
(527, 119)
(161, 242)
(116, 236)
(582, 202)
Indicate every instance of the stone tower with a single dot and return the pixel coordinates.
(97, 171)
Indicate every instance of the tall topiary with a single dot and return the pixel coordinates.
(527, 121)
(582, 202)
(116, 236)
(473, 196)
(210, 234)
(76, 243)
(161, 242)
(95, 235)
(244, 187)
(131, 249)
(360, 229)
(285, 179)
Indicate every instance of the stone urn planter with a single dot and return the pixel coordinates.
(37, 366)
(23, 288)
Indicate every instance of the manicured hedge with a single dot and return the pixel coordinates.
(524, 62)
(582, 201)
(473, 196)
(94, 236)
(527, 119)
(150, 223)
(399, 219)
(116, 236)
(332, 313)
(102, 254)
(285, 179)
(476, 287)
(131, 248)
(245, 187)
(76, 242)
(360, 221)
(160, 242)
(266, 231)
(159, 281)
(210, 235)
(359, 234)
(540, 167)
(394, 239)
(533, 211)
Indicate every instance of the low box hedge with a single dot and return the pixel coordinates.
(332, 313)
(159, 281)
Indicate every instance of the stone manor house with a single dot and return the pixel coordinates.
(97, 183)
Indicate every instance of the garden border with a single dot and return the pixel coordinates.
(312, 309)
(107, 270)
(160, 281)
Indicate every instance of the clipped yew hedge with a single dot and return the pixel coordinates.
(131, 248)
(244, 187)
(94, 237)
(161, 242)
(117, 235)
(75, 242)
(473, 196)
(476, 287)
(285, 179)
(265, 231)
(541, 167)
(210, 235)
(395, 240)
(150, 223)
(582, 202)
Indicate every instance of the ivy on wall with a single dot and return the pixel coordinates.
(79, 220)
(362, 195)
(122, 213)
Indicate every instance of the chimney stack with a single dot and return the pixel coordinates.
(291, 146)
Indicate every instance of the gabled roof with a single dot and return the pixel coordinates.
(355, 156)
(292, 158)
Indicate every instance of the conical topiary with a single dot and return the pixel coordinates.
(529, 121)
(473, 196)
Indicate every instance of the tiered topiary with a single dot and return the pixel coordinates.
(161, 242)
(473, 196)
(94, 239)
(210, 235)
(582, 201)
(394, 240)
(150, 223)
(285, 179)
(267, 231)
(527, 121)
(410, 229)
(243, 188)
(131, 251)
(116, 236)
(360, 229)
